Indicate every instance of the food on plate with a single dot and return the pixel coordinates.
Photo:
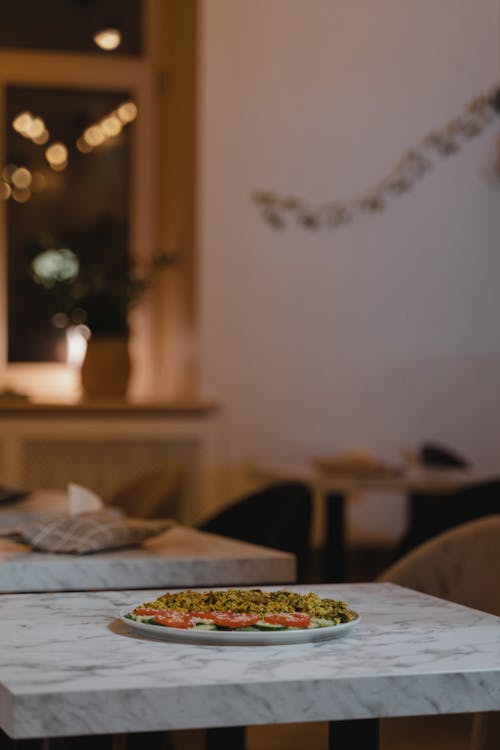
(242, 609)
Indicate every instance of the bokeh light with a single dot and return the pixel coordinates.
(57, 155)
(54, 265)
(21, 177)
(111, 126)
(21, 195)
(5, 190)
(8, 171)
(127, 112)
(22, 122)
(42, 138)
(35, 128)
(83, 146)
(108, 39)
(94, 136)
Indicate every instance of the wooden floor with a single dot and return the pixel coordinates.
(440, 733)
(431, 733)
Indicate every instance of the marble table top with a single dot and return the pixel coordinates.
(179, 557)
(418, 480)
(69, 667)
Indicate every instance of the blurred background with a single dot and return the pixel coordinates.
(133, 135)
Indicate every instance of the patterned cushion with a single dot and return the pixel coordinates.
(87, 532)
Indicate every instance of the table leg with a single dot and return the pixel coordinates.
(335, 566)
(151, 740)
(225, 738)
(358, 734)
(96, 742)
(7, 744)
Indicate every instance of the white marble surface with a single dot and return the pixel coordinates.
(181, 556)
(68, 667)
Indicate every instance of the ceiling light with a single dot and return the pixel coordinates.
(108, 39)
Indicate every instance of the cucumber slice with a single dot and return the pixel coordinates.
(140, 618)
(320, 622)
(263, 625)
(237, 630)
(204, 626)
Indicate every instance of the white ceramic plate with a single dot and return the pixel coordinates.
(234, 637)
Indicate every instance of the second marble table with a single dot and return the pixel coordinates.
(180, 557)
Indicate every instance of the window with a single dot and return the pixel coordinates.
(72, 25)
(54, 71)
(68, 205)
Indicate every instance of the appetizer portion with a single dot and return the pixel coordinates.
(243, 609)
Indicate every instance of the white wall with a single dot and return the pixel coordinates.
(383, 333)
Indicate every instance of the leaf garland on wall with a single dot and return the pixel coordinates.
(414, 164)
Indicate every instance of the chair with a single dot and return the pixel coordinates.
(433, 454)
(461, 565)
(278, 516)
(432, 514)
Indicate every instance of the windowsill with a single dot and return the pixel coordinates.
(175, 408)
(54, 388)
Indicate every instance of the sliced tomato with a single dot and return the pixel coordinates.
(171, 619)
(289, 619)
(147, 611)
(234, 619)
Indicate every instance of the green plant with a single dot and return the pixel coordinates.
(91, 277)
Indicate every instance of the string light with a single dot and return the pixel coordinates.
(30, 127)
(83, 146)
(5, 190)
(8, 171)
(107, 127)
(94, 136)
(22, 122)
(127, 112)
(42, 139)
(35, 128)
(412, 166)
(21, 177)
(21, 194)
(111, 126)
(57, 155)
